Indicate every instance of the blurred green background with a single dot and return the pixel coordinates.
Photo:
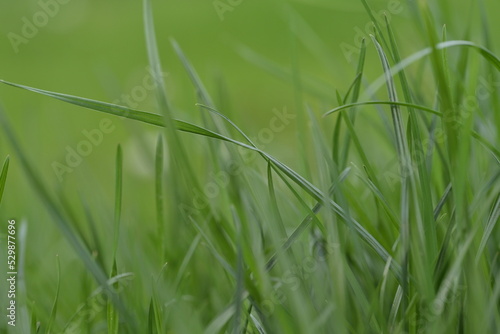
(96, 49)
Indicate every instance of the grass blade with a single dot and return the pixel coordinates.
(187, 127)
(60, 220)
(53, 312)
(112, 315)
(159, 196)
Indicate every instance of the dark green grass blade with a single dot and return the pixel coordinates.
(398, 103)
(80, 315)
(53, 312)
(112, 314)
(160, 196)
(3, 177)
(488, 55)
(490, 226)
(61, 222)
(187, 127)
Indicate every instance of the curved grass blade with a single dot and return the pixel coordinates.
(159, 195)
(201, 91)
(492, 222)
(112, 315)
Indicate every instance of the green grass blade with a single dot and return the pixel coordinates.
(278, 220)
(118, 200)
(155, 63)
(3, 177)
(160, 196)
(113, 317)
(379, 31)
(397, 103)
(306, 222)
(112, 314)
(490, 226)
(484, 52)
(187, 127)
(201, 91)
(60, 220)
(129, 113)
(240, 280)
(493, 150)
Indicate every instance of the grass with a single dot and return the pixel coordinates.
(389, 224)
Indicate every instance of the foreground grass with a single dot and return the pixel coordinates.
(395, 232)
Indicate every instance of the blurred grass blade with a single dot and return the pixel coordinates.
(60, 220)
(112, 315)
(201, 91)
(118, 201)
(155, 63)
(155, 324)
(487, 54)
(305, 222)
(375, 22)
(240, 288)
(3, 177)
(53, 312)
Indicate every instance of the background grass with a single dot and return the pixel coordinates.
(316, 231)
